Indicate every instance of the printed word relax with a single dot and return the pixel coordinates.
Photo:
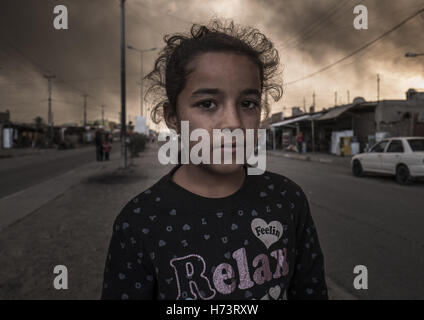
(192, 283)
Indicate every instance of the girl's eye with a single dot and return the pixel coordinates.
(207, 104)
(248, 104)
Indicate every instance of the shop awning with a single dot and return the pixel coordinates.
(294, 120)
(288, 121)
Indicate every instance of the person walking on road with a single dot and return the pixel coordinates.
(107, 148)
(299, 141)
(98, 140)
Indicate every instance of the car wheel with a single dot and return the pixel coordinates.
(357, 169)
(402, 175)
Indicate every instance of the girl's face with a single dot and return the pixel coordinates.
(223, 91)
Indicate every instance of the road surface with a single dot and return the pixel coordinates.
(26, 171)
(369, 221)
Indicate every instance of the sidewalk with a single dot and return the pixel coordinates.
(74, 229)
(315, 157)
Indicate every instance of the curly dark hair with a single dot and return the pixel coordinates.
(169, 75)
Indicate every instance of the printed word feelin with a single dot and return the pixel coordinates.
(230, 143)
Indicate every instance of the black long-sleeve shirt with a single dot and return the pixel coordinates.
(257, 243)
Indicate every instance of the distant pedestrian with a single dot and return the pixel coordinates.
(299, 141)
(106, 148)
(99, 145)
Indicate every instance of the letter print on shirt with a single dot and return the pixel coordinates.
(268, 233)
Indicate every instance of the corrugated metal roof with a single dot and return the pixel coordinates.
(288, 121)
(335, 112)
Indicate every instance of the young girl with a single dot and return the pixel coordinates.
(210, 231)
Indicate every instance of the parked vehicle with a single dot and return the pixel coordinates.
(402, 157)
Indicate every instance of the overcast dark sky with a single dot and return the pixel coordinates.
(309, 34)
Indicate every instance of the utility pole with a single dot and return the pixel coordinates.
(312, 123)
(103, 115)
(141, 86)
(335, 98)
(378, 87)
(49, 78)
(84, 121)
(123, 89)
(304, 104)
(348, 96)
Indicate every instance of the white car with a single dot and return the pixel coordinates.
(402, 157)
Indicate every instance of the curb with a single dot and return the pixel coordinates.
(310, 158)
(305, 158)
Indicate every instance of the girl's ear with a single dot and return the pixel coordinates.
(171, 118)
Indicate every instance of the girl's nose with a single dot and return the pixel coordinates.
(231, 118)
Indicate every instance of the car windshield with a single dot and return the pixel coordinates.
(416, 144)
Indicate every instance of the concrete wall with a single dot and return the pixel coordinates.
(398, 129)
(400, 118)
(396, 110)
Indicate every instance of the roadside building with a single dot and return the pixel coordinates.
(350, 128)
(273, 138)
(401, 117)
(285, 131)
(368, 122)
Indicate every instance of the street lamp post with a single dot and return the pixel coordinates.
(141, 74)
(49, 78)
(123, 89)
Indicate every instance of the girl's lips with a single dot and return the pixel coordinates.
(229, 148)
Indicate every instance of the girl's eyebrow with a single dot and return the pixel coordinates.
(206, 91)
(215, 91)
(251, 91)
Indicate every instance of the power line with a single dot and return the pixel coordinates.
(357, 50)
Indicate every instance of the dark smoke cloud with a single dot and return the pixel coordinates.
(323, 30)
(86, 57)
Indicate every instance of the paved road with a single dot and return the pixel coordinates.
(368, 221)
(23, 172)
